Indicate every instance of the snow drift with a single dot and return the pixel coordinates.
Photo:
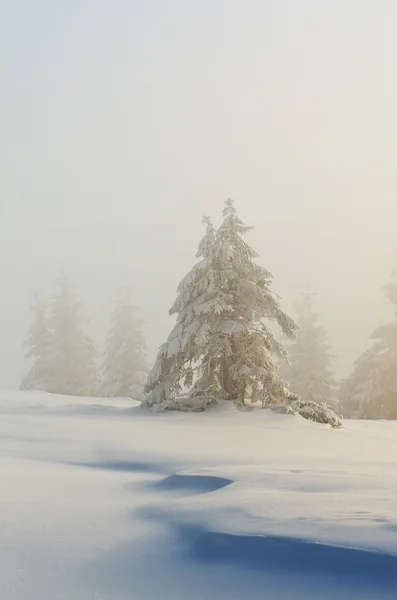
(112, 501)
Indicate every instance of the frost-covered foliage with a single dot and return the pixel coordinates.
(184, 403)
(73, 356)
(308, 370)
(39, 345)
(221, 345)
(125, 363)
(312, 411)
(284, 401)
(315, 411)
(371, 390)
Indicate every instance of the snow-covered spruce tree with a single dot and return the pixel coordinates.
(220, 345)
(125, 363)
(308, 370)
(73, 362)
(371, 391)
(39, 345)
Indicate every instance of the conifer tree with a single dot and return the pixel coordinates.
(221, 342)
(125, 363)
(349, 392)
(39, 344)
(371, 391)
(73, 362)
(308, 371)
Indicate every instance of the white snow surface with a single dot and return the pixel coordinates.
(104, 499)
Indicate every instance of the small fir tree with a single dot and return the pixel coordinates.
(73, 362)
(125, 363)
(39, 344)
(349, 391)
(308, 370)
(371, 391)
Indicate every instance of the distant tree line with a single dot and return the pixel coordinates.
(65, 359)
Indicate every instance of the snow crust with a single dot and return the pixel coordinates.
(113, 501)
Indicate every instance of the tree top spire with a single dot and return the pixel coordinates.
(229, 207)
(307, 296)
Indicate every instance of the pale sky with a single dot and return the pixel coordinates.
(123, 122)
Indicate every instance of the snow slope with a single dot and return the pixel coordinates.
(109, 501)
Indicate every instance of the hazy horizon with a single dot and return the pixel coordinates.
(123, 123)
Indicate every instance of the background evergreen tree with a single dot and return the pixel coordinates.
(350, 397)
(39, 344)
(73, 361)
(309, 371)
(125, 363)
(371, 391)
(220, 341)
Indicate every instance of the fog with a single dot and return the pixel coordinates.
(122, 123)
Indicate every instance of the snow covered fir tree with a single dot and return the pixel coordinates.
(72, 365)
(125, 363)
(308, 370)
(371, 390)
(221, 346)
(39, 349)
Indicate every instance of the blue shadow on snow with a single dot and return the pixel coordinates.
(288, 554)
(194, 484)
(124, 466)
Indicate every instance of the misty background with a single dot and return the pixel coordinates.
(123, 122)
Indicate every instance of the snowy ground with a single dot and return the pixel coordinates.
(114, 502)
